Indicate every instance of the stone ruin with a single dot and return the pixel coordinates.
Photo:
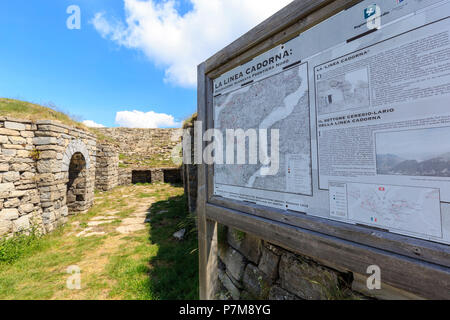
(49, 171)
(140, 145)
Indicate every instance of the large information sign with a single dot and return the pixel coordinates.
(362, 115)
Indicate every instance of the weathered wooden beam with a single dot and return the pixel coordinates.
(421, 278)
(436, 253)
(207, 229)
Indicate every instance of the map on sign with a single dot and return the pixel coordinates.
(280, 102)
(354, 113)
(404, 208)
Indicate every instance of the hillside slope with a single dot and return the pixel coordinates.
(31, 111)
(26, 110)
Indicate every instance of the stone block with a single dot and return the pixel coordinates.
(48, 154)
(9, 152)
(6, 189)
(9, 214)
(229, 285)
(14, 125)
(247, 244)
(12, 203)
(23, 153)
(23, 223)
(27, 134)
(13, 147)
(306, 279)
(48, 217)
(20, 167)
(64, 211)
(277, 293)
(50, 147)
(44, 140)
(18, 193)
(4, 167)
(48, 166)
(26, 208)
(269, 263)
(11, 176)
(5, 227)
(4, 139)
(256, 283)
(43, 127)
(17, 140)
(9, 132)
(27, 175)
(235, 263)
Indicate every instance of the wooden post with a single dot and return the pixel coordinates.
(207, 229)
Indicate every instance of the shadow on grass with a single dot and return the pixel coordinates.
(174, 271)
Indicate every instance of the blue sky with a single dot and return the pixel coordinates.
(89, 73)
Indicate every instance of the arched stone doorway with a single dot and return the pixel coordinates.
(76, 164)
(76, 187)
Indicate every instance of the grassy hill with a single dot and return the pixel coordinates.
(31, 111)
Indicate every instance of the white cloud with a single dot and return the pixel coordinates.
(179, 43)
(92, 124)
(139, 119)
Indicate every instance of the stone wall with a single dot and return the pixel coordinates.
(19, 196)
(139, 145)
(124, 176)
(107, 169)
(35, 161)
(250, 268)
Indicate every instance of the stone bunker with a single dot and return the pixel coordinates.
(49, 171)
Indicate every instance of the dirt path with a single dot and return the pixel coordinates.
(117, 246)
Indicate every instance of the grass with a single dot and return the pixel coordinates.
(11, 249)
(172, 279)
(143, 265)
(31, 111)
(161, 160)
(189, 122)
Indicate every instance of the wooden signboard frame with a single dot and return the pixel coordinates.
(416, 266)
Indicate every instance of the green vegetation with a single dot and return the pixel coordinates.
(31, 111)
(21, 244)
(155, 161)
(144, 264)
(35, 154)
(239, 235)
(189, 122)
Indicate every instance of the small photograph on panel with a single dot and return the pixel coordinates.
(414, 152)
(343, 92)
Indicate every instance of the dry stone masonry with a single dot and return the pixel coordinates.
(47, 172)
(251, 268)
(142, 144)
(141, 152)
(107, 170)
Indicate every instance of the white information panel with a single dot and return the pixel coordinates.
(363, 118)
